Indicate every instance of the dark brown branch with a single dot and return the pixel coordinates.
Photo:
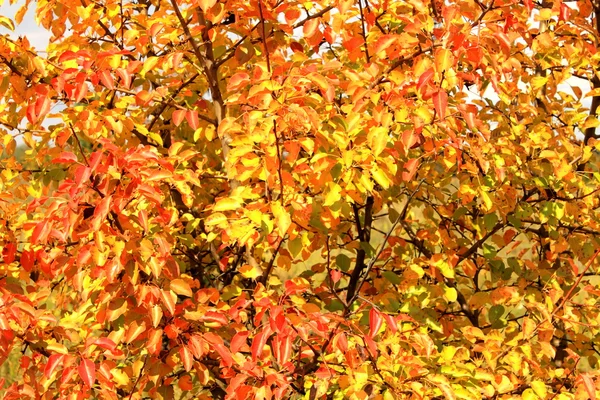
(263, 34)
(360, 265)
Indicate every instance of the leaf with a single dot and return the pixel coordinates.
(443, 60)
(440, 102)
(384, 42)
(192, 118)
(589, 384)
(282, 218)
(410, 169)
(259, 342)
(206, 5)
(238, 81)
(87, 372)
(250, 272)
(181, 287)
(375, 321)
(178, 116)
(392, 277)
(495, 313)
(105, 343)
(333, 194)
(53, 362)
(228, 204)
(539, 388)
(343, 262)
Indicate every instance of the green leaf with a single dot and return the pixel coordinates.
(343, 262)
(392, 277)
(335, 305)
(496, 312)
(490, 220)
(295, 246)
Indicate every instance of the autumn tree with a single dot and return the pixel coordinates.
(371, 199)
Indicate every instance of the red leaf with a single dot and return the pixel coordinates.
(192, 118)
(424, 79)
(239, 340)
(87, 372)
(9, 252)
(384, 42)
(125, 77)
(565, 12)
(178, 116)
(27, 260)
(285, 349)
(53, 361)
(42, 106)
(341, 342)
(440, 102)
(217, 344)
(212, 316)
(336, 275)
(65, 157)
(259, 341)
(375, 322)
(40, 232)
(101, 212)
(105, 343)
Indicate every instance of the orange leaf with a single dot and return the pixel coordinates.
(384, 42)
(206, 5)
(168, 298)
(590, 386)
(53, 361)
(238, 341)
(410, 168)
(192, 118)
(187, 358)
(185, 383)
(101, 212)
(440, 102)
(87, 372)
(310, 27)
(238, 81)
(181, 287)
(178, 116)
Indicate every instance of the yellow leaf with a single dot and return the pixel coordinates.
(228, 204)
(181, 287)
(149, 65)
(539, 388)
(487, 201)
(450, 294)
(282, 218)
(380, 177)
(57, 348)
(120, 377)
(378, 138)
(250, 272)
(443, 60)
(215, 219)
(333, 195)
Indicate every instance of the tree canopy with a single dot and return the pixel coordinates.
(269, 199)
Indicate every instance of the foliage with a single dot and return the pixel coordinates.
(281, 199)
